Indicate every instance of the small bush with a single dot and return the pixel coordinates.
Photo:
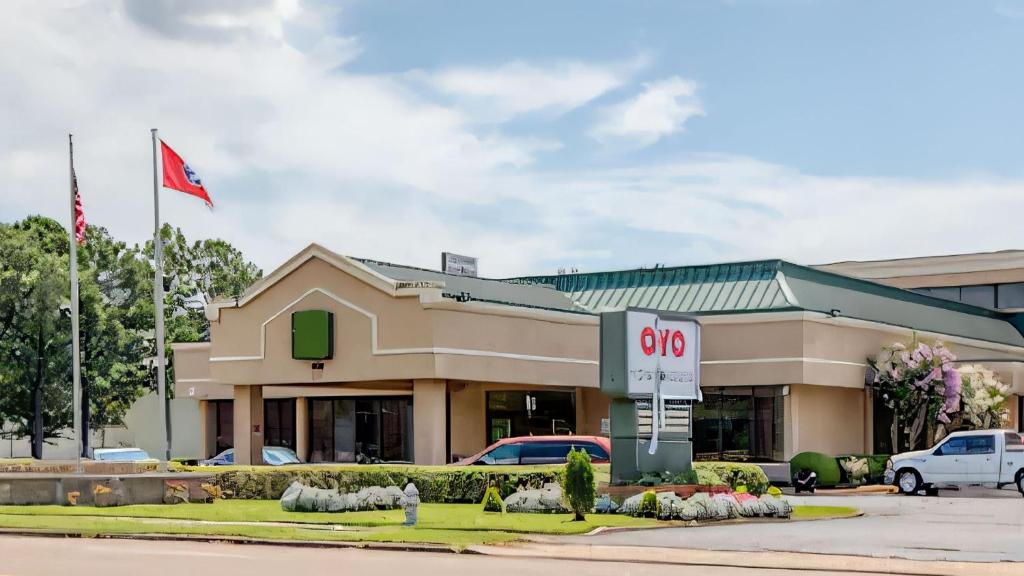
(547, 500)
(823, 465)
(578, 483)
(735, 474)
(688, 477)
(492, 501)
(650, 506)
(876, 466)
(774, 492)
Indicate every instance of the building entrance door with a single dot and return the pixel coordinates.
(522, 413)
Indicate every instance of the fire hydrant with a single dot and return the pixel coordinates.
(412, 503)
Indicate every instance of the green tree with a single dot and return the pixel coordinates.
(35, 334)
(197, 274)
(116, 323)
(578, 483)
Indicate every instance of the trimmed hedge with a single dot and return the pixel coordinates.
(439, 484)
(876, 466)
(734, 474)
(448, 485)
(826, 467)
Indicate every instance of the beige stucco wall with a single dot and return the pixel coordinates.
(414, 338)
(824, 419)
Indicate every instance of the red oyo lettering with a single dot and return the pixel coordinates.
(647, 341)
(651, 342)
(678, 344)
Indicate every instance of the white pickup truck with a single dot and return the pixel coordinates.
(985, 457)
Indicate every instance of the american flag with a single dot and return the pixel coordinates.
(79, 214)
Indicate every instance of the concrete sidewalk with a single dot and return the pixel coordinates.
(757, 560)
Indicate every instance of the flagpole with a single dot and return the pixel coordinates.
(76, 367)
(158, 301)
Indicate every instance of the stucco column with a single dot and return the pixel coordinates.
(248, 424)
(429, 421)
(302, 427)
(581, 413)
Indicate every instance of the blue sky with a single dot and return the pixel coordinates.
(918, 89)
(535, 135)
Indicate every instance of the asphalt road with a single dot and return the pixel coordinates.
(976, 524)
(23, 556)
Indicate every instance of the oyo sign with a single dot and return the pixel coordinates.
(654, 341)
(662, 355)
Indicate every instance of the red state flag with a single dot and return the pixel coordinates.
(178, 175)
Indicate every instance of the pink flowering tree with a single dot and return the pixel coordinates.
(922, 386)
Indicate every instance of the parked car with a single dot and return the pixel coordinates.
(985, 457)
(539, 450)
(122, 455)
(272, 456)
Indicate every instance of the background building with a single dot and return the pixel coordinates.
(428, 367)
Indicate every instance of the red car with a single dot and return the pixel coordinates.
(540, 450)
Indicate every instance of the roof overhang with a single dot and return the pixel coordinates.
(426, 290)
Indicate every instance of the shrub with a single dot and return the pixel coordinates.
(823, 465)
(492, 500)
(876, 465)
(687, 477)
(735, 474)
(774, 492)
(438, 484)
(650, 506)
(546, 500)
(299, 498)
(578, 483)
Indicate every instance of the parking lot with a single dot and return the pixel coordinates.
(974, 524)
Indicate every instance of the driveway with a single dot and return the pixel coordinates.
(976, 524)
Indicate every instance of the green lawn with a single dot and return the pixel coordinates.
(92, 525)
(456, 525)
(431, 516)
(818, 512)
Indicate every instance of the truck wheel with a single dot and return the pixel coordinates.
(1020, 483)
(908, 481)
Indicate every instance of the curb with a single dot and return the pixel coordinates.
(762, 560)
(389, 546)
(685, 524)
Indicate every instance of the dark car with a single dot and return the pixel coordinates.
(540, 450)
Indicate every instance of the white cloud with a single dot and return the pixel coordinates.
(296, 150)
(659, 110)
(515, 88)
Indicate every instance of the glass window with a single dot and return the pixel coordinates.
(595, 451)
(279, 421)
(953, 447)
(505, 454)
(984, 296)
(544, 453)
(1010, 295)
(395, 422)
(739, 423)
(225, 424)
(1013, 441)
(981, 444)
(946, 292)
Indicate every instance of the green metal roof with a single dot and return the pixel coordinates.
(774, 286)
(715, 288)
